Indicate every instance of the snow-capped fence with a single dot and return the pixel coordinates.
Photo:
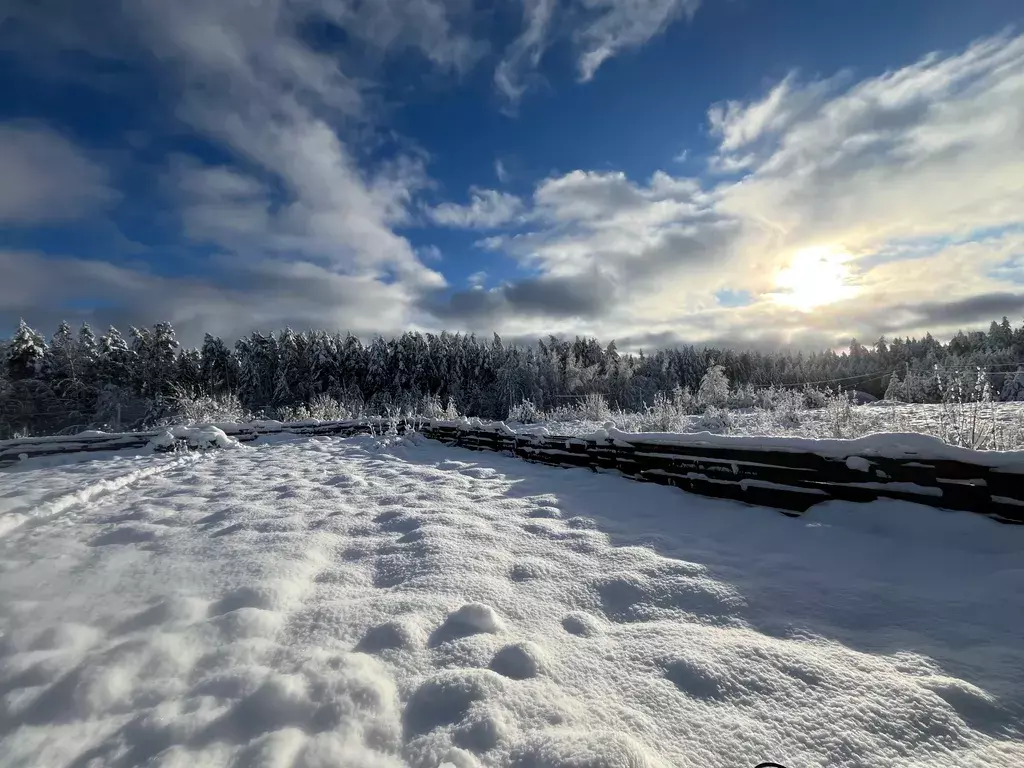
(790, 474)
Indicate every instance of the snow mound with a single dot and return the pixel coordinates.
(476, 617)
(196, 438)
(518, 661)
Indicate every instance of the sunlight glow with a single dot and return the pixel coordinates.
(815, 277)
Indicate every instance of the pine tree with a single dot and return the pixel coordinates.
(218, 366)
(116, 362)
(25, 353)
(287, 351)
(87, 352)
(163, 354)
(896, 390)
(59, 361)
(714, 387)
(1013, 389)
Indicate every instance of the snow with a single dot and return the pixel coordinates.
(393, 601)
(858, 464)
(882, 416)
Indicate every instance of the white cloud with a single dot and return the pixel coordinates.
(600, 29)
(306, 223)
(500, 171)
(738, 124)
(487, 208)
(933, 150)
(46, 178)
(617, 25)
(290, 114)
(523, 55)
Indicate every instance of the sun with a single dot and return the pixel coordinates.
(815, 277)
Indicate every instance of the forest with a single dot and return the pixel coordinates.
(77, 380)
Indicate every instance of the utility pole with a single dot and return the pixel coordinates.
(906, 382)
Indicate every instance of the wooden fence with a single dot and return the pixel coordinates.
(781, 477)
(765, 472)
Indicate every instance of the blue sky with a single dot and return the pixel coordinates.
(735, 171)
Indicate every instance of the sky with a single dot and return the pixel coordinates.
(751, 173)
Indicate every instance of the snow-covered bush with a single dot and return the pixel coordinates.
(326, 408)
(814, 398)
(669, 413)
(595, 407)
(430, 407)
(968, 414)
(525, 413)
(839, 416)
(743, 396)
(202, 409)
(714, 419)
(714, 388)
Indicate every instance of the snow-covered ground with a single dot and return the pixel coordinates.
(380, 602)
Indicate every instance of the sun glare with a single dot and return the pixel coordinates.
(815, 277)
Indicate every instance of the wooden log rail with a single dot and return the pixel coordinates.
(790, 475)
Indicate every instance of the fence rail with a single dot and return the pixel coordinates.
(789, 475)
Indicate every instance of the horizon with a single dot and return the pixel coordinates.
(622, 346)
(680, 172)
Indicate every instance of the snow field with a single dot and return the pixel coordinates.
(368, 602)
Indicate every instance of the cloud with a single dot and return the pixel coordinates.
(289, 112)
(500, 171)
(301, 212)
(564, 298)
(738, 125)
(888, 158)
(240, 296)
(523, 55)
(46, 178)
(930, 154)
(599, 29)
(487, 208)
(616, 25)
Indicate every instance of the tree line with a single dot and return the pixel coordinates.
(77, 379)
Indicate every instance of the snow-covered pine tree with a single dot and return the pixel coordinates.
(219, 367)
(895, 391)
(60, 358)
(88, 354)
(287, 351)
(116, 362)
(188, 374)
(1013, 388)
(163, 356)
(714, 387)
(25, 353)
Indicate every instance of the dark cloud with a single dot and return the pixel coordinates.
(976, 309)
(584, 296)
(237, 300)
(767, 341)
